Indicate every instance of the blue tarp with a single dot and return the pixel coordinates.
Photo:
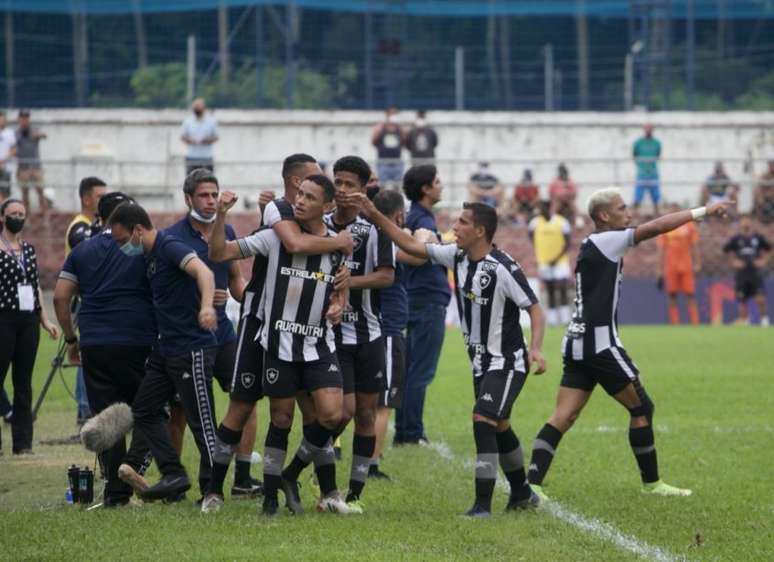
(702, 9)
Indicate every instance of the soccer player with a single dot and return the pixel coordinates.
(491, 290)
(680, 259)
(550, 235)
(359, 341)
(300, 352)
(246, 387)
(394, 306)
(195, 229)
(593, 352)
(182, 361)
(750, 252)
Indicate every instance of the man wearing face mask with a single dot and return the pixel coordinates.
(422, 141)
(110, 285)
(182, 361)
(201, 196)
(199, 132)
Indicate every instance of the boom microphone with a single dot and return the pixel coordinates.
(105, 429)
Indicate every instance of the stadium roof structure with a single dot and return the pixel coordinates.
(701, 9)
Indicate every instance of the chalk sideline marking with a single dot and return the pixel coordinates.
(591, 525)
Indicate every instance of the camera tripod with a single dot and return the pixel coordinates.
(57, 364)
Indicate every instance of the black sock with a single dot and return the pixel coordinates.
(362, 450)
(543, 451)
(225, 441)
(486, 463)
(274, 459)
(316, 437)
(512, 463)
(644, 448)
(325, 469)
(242, 469)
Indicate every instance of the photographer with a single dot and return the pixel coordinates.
(111, 286)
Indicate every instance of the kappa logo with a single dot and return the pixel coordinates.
(272, 375)
(487, 398)
(247, 379)
(186, 375)
(362, 468)
(489, 266)
(484, 280)
(151, 269)
(379, 375)
(333, 369)
(393, 392)
(483, 464)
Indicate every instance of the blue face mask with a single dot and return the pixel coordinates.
(131, 249)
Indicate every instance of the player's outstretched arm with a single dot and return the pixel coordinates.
(205, 281)
(669, 222)
(405, 242)
(221, 249)
(298, 242)
(537, 331)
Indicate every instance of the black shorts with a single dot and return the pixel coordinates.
(224, 364)
(362, 366)
(612, 368)
(247, 371)
(496, 391)
(284, 379)
(395, 368)
(748, 284)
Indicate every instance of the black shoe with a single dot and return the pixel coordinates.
(115, 502)
(270, 506)
(374, 472)
(251, 488)
(170, 488)
(478, 512)
(292, 496)
(519, 504)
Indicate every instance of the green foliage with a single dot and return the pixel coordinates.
(159, 85)
(163, 85)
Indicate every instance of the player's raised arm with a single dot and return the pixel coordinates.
(669, 222)
(221, 249)
(405, 242)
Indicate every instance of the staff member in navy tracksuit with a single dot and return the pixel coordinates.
(117, 331)
(182, 287)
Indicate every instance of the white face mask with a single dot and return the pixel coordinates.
(201, 218)
(421, 122)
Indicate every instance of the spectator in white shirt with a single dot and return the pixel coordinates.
(7, 151)
(199, 132)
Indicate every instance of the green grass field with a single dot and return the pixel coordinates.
(715, 428)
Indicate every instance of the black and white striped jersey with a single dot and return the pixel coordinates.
(362, 319)
(275, 211)
(295, 299)
(598, 273)
(490, 294)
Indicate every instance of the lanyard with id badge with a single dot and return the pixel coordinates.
(26, 294)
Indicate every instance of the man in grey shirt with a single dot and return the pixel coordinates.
(199, 132)
(29, 172)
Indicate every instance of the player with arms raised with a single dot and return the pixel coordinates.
(592, 350)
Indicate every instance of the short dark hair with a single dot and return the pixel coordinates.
(130, 215)
(88, 184)
(294, 162)
(416, 178)
(483, 215)
(110, 202)
(196, 177)
(329, 190)
(388, 201)
(24, 113)
(355, 165)
(7, 202)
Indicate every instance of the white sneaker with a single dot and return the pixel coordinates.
(255, 457)
(764, 321)
(212, 503)
(335, 504)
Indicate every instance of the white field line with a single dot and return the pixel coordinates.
(666, 429)
(591, 525)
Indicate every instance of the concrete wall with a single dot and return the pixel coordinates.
(140, 150)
